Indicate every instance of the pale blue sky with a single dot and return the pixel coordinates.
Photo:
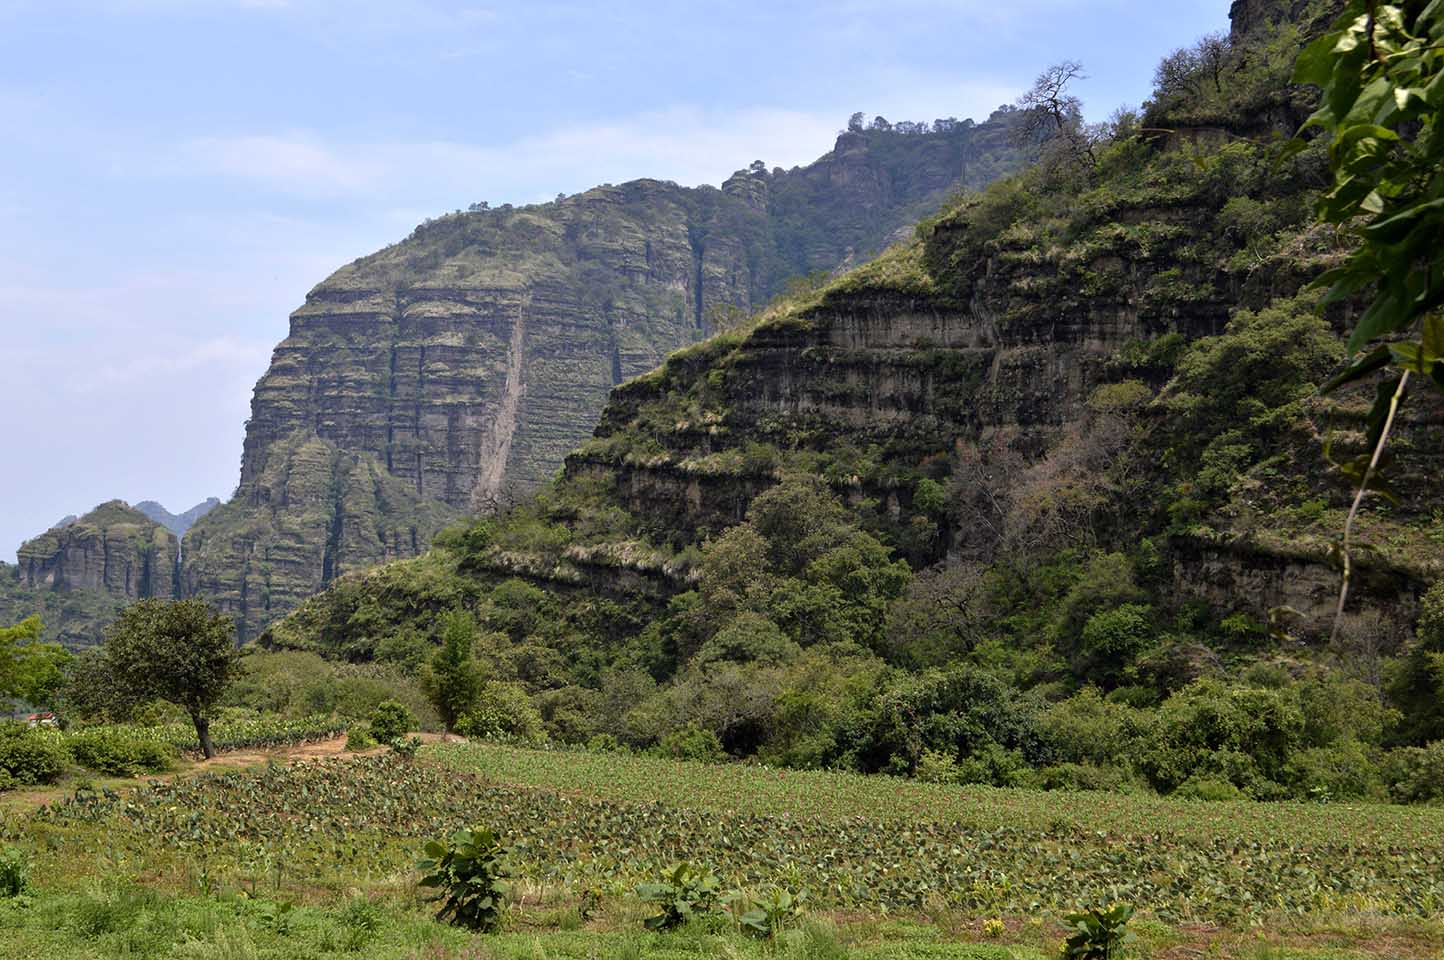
(176, 174)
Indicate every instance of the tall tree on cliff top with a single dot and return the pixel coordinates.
(180, 651)
(1053, 114)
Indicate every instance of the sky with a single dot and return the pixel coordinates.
(175, 175)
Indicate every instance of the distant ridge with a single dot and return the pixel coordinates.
(177, 523)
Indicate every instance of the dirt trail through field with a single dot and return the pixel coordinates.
(23, 801)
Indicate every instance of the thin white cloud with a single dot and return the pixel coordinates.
(221, 355)
(685, 144)
(297, 163)
(682, 144)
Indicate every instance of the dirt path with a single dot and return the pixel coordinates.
(23, 801)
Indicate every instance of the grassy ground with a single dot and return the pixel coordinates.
(315, 858)
(136, 921)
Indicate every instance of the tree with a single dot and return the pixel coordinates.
(1416, 680)
(29, 669)
(1053, 115)
(181, 651)
(1112, 640)
(855, 122)
(452, 680)
(1185, 70)
(1379, 72)
(1213, 50)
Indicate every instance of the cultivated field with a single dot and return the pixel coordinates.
(316, 857)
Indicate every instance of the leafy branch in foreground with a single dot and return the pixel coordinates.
(1381, 75)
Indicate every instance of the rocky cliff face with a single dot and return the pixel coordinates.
(115, 549)
(75, 618)
(1250, 18)
(312, 513)
(986, 343)
(455, 370)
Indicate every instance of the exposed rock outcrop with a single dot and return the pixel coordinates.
(114, 549)
(455, 370)
(314, 512)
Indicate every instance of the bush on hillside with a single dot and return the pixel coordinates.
(390, 720)
(1416, 774)
(30, 756)
(503, 710)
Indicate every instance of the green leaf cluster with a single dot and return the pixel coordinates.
(686, 890)
(472, 873)
(1381, 73)
(1099, 933)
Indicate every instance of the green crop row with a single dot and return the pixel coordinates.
(337, 822)
(237, 734)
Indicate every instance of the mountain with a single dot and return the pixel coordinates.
(79, 574)
(1063, 441)
(177, 523)
(114, 549)
(452, 372)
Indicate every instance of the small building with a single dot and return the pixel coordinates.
(46, 719)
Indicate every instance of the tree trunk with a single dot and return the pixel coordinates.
(203, 733)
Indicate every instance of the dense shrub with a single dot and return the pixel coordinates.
(1416, 682)
(1343, 771)
(690, 743)
(1106, 583)
(390, 720)
(960, 711)
(1087, 729)
(1208, 788)
(1112, 640)
(1416, 774)
(988, 763)
(1084, 776)
(30, 756)
(1240, 735)
(503, 710)
(118, 753)
(571, 714)
(751, 637)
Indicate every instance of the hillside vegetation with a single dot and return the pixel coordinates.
(1043, 495)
